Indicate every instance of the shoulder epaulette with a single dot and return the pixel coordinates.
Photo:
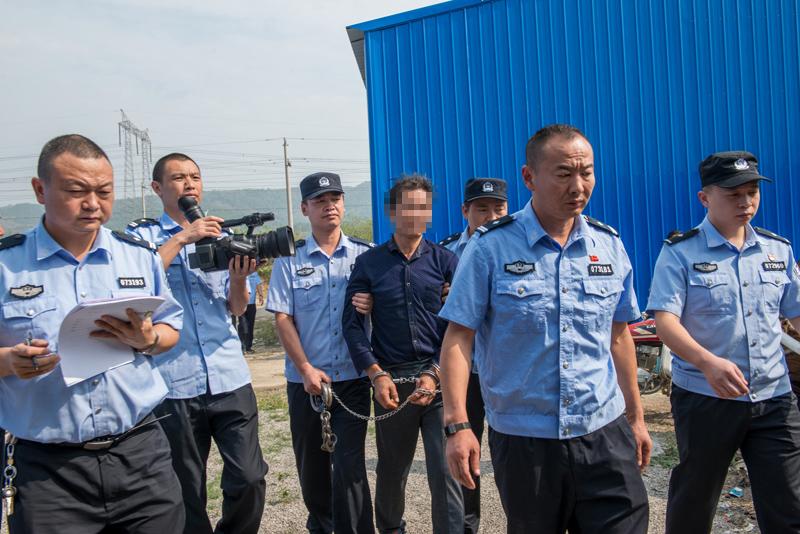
(449, 239)
(12, 241)
(144, 221)
(299, 243)
(773, 235)
(364, 242)
(683, 236)
(601, 225)
(122, 236)
(497, 223)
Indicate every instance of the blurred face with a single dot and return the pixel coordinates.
(483, 210)
(78, 197)
(413, 212)
(324, 212)
(563, 179)
(180, 179)
(731, 207)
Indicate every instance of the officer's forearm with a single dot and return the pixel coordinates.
(678, 339)
(455, 359)
(170, 249)
(5, 362)
(238, 295)
(795, 323)
(623, 353)
(290, 339)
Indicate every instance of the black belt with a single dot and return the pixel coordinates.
(101, 443)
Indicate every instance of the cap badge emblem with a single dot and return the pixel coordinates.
(488, 187)
(741, 164)
(324, 182)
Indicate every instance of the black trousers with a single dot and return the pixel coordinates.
(245, 324)
(231, 420)
(709, 431)
(476, 413)
(129, 488)
(396, 440)
(587, 484)
(334, 486)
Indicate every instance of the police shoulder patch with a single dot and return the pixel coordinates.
(682, 236)
(12, 241)
(771, 235)
(144, 221)
(449, 239)
(364, 242)
(134, 240)
(299, 243)
(495, 224)
(601, 225)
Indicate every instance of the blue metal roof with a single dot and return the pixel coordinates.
(456, 89)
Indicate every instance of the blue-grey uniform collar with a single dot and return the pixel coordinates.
(168, 223)
(463, 239)
(46, 246)
(715, 239)
(313, 246)
(535, 232)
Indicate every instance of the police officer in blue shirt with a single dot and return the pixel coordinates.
(89, 457)
(718, 293)
(552, 291)
(210, 394)
(306, 293)
(485, 199)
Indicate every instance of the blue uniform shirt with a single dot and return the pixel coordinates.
(44, 409)
(252, 284)
(730, 301)
(209, 353)
(310, 287)
(546, 368)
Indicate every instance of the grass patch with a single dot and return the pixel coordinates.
(283, 496)
(265, 332)
(213, 488)
(273, 401)
(669, 458)
(277, 442)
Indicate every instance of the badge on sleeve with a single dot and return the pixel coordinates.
(705, 267)
(520, 267)
(305, 271)
(131, 282)
(774, 265)
(601, 269)
(27, 291)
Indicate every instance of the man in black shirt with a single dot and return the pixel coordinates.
(406, 276)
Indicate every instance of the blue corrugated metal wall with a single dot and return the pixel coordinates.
(455, 91)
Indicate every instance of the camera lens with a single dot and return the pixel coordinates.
(275, 244)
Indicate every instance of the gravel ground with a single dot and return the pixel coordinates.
(285, 512)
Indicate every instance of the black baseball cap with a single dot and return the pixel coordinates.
(730, 169)
(485, 188)
(320, 183)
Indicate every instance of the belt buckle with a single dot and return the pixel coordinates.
(98, 445)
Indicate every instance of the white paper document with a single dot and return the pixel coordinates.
(83, 356)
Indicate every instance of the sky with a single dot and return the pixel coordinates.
(222, 81)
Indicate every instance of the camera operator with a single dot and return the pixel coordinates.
(210, 394)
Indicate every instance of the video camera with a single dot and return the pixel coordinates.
(214, 253)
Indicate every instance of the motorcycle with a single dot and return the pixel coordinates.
(653, 357)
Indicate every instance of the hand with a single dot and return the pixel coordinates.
(137, 332)
(644, 445)
(240, 267)
(205, 227)
(419, 398)
(28, 361)
(725, 378)
(386, 392)
(313, 378)
(362, 302)
(445, 291)
(463, 454)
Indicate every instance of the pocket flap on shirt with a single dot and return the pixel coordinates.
(28, 308)
(306, 282)
(520, 288)
(708, 280)
(777, 278)
(602, 288)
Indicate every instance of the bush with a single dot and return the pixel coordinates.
(265, 332)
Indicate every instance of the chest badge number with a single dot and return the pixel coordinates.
(705, 267)
(127, 282)
(27, 291)
(600, 269)
(774, 265)
(520, 267)
(305, 271)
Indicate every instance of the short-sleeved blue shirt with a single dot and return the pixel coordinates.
(730, 301)
(546, 370)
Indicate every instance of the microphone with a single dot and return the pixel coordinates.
(191, 210)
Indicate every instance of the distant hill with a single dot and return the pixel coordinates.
(226, 204)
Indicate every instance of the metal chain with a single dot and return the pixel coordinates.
(9, 474)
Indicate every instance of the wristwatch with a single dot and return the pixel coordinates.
(452, 428)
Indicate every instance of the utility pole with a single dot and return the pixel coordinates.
(129, 135)
(286, 165)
